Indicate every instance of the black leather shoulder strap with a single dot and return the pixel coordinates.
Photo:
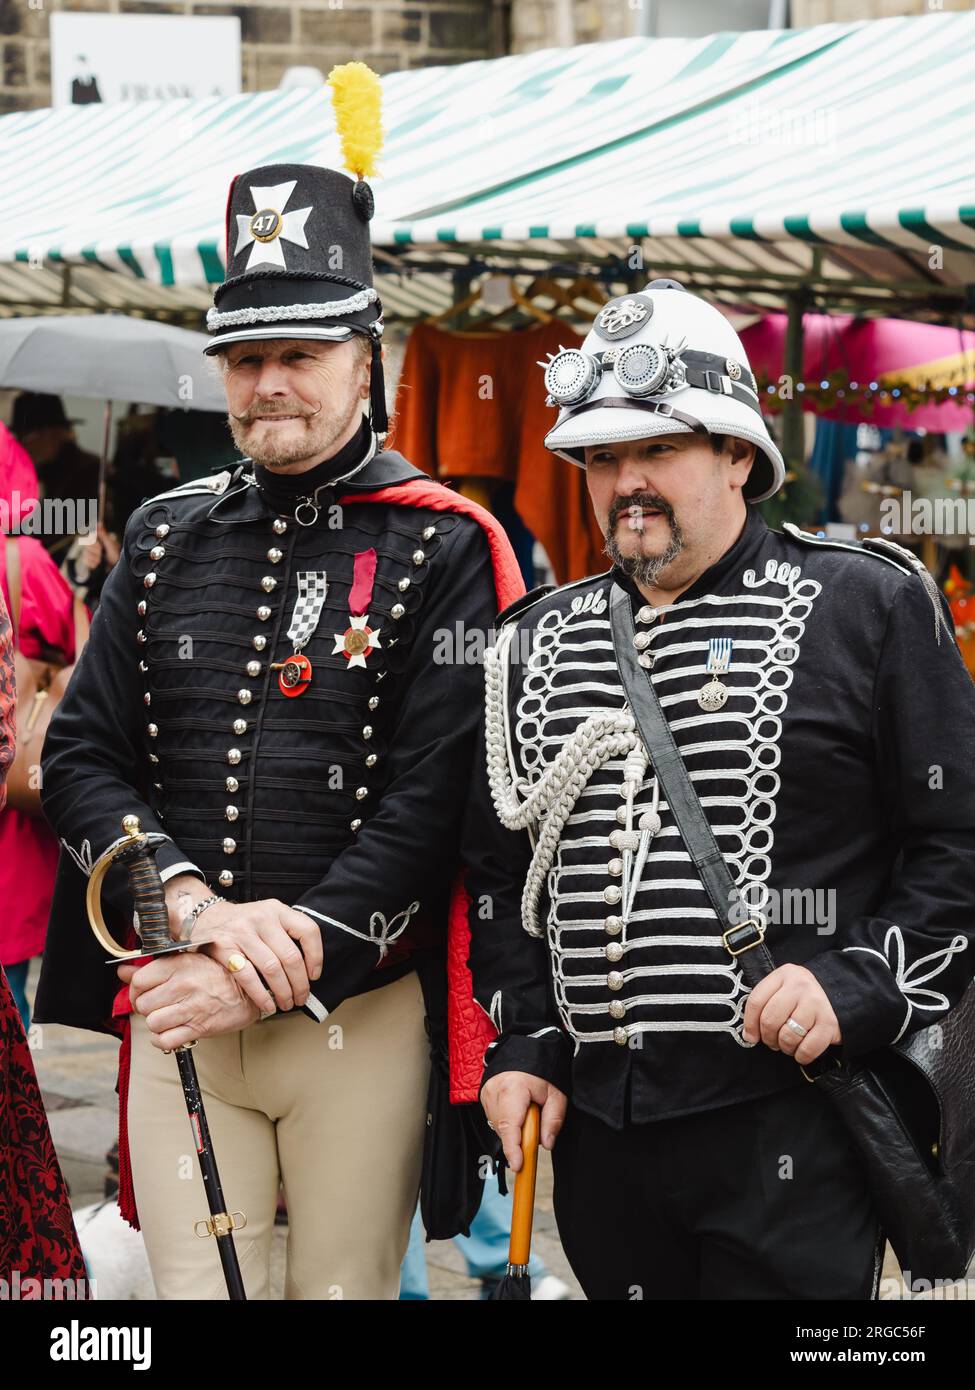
(744, 940)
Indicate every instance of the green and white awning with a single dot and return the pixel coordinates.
(741, 150)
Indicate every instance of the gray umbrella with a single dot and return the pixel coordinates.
(109, 357)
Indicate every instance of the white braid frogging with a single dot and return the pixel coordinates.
(286, 313)
(552, 799)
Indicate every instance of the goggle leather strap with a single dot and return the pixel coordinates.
(654, 407)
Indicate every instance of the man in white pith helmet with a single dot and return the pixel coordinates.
(704, 820)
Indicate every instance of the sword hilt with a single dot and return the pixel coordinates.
(134, 850)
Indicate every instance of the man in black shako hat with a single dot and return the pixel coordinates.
(260, 686)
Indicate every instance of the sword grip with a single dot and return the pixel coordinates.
(150, 897)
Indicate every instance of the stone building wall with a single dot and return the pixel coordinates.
(275, 35)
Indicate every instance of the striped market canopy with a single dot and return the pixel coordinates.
(755, 159)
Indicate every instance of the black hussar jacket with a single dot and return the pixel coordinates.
(343, 801)
(838, 778)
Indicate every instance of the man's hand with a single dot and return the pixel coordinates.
(793, 992)
(506, 1098)
(264, 933)
(186, 997)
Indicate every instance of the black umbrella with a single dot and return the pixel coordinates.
(516, 1286)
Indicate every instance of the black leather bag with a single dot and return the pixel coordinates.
(909, 1108)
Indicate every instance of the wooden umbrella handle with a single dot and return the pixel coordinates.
(523, 1203)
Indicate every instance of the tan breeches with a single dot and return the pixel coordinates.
(336, 1111)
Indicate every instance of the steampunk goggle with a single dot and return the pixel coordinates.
(644, 369)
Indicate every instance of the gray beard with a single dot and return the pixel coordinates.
(646, 569)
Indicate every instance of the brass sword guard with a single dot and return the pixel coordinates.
(133, 837)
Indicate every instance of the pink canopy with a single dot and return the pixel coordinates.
(890, 352)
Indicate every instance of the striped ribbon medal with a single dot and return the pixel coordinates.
(294, 675)
(714, 695)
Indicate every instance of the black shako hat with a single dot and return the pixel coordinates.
(299, 257)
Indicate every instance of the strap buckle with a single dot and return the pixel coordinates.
(752, 928)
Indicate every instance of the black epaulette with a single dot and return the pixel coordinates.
(514, 610)
(883, 549)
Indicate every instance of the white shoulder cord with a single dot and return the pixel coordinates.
(550, 802)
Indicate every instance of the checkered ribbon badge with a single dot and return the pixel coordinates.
(312, 588)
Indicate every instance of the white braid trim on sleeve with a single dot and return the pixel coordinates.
(285, 313)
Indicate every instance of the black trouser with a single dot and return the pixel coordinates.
(764, 1200)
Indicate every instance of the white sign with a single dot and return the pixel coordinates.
(108, 57)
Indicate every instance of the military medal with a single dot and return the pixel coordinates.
(294, 675)
(359, 640)
(714, 695)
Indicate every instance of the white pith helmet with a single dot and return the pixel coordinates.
(661, 361)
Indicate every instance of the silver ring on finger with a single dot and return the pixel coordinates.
(796, 1027)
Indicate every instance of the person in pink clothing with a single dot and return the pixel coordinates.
(28, 848)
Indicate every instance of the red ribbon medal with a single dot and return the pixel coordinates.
(359, 640)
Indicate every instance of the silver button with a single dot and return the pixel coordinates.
(140, 636)
(153, 758)
(280, 526)
(367, 731)
(617, 1009)
(244, 696)
(621, 815)
(615, 866)
(157, 552)
(418, 557)
(646, 614)
(269, 583)
(140, 608)
(162, 531)
(253, 668)
(153, 730)
(225, 879)
(354, 825)
(274, 555)
(403, 584)
(258, 643)
(233, 756)
(646, 660)
(613, 926)
(641, 641)
(149, 580)
(229, 845)
(264, 612)
(361, 793)
(372, 760)
(614, 979)
(240, 726)
(147, 698)
(232, 784)
(143, 667)
(397, 610)
(612, 894)
(373, 702)
(231, 812)
(614, 951)
(429, 532)
(619, 1036)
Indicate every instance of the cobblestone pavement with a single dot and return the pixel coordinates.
(77, 1070)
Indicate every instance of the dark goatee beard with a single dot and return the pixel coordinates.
(643, 569)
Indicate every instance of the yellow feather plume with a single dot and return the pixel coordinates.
(357, 98)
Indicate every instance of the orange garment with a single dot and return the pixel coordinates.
(472, 405)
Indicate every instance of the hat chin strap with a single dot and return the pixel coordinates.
(378, 417)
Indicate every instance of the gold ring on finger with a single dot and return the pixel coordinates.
(236, 962)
